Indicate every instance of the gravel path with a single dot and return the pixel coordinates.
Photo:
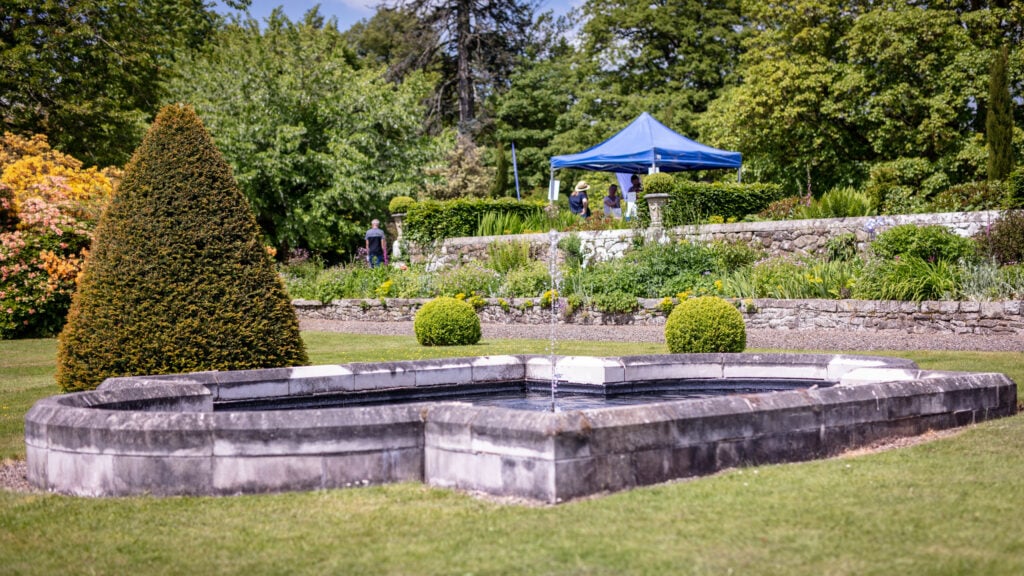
(779, 339)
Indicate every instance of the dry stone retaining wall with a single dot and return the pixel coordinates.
(776, 237)
(912, 317)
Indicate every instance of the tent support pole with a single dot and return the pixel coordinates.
(551, 183)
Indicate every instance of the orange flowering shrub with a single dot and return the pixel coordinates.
(48, 208)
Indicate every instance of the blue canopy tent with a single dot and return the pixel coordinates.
(646, 146)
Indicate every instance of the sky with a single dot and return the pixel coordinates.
(348, 12)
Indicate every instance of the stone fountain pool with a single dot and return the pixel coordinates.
(321, 427)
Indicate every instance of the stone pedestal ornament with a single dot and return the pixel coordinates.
(396, 249)
(655, 202)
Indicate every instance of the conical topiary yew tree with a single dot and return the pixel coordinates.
(177, 279)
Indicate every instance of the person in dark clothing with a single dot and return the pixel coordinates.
(376, 245)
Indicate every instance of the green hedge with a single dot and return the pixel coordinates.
(692, 202)
(433, 220)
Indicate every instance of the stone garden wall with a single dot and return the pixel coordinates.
(776, 237)
(912, 317)
(799, 237)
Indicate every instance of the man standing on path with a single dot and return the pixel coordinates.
(376, 247)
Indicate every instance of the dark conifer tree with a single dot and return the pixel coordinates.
(999, 121)
(177, 279)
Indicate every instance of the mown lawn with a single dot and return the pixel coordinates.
(951, 506)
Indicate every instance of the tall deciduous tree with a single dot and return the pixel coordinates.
(999, 122)
(786, 114)
(318, 144)
(679, 51)
(542, 88)
(87, 73)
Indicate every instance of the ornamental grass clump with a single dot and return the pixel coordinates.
(446, 322)
(177, 279)
(705, 325)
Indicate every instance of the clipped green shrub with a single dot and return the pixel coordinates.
(705, 325)
(930, 243)
(400, 204)
(693, 202)
(433, 220)
(177, 279)
(659, 183)
(446, 322)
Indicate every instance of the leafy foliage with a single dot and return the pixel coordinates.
(909, 278)
(829, 89)
(930, 243)
(657, 270)
(527, 281)
(705, 325)
(318, 144)
(969, 196)
(470, 278)
(177, 279)
(838, 203)
(399, 204)
(446, 322)
(89, 73)
(615, 302)
(787, 277)
(1015, 189)
(505, 257)
(1004, 240)
(461, 173)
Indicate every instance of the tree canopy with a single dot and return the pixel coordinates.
(88, 73)
(323, 126)
(319, 142)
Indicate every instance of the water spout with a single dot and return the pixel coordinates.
(553, 274)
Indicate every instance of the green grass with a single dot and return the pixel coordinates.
(26, 374)
(952, 506)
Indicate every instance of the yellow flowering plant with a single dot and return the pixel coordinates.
(48, 208)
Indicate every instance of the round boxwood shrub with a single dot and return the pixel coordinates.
(399, 204)
(705, 324)
(177, 279)
(446, 321)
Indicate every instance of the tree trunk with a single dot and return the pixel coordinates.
(463, 32)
